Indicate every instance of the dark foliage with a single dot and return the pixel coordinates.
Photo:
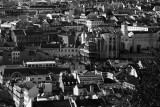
(148, 88)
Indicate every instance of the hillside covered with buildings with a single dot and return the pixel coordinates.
(79, 53)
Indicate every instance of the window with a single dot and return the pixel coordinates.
(47, 78)
(39, 78)
(32, 79)
(110, 47)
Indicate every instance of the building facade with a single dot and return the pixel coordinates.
(91, 77)
(137, 39)
(19, 71)
(106, 40)
(16, 57)
(11, 57)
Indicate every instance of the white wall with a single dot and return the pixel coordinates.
(77, 91)
(37, 78)
(136, 28)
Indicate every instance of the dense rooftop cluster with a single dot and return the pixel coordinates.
(79, 53)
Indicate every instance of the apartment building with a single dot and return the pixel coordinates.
(94, 22)
(25, 91)
(32, 92)
(72, 26)
(7, 72)
(137, 39)
(16, 57)
(68, 52)
(11, 57)
(28, 37)
(45, 26)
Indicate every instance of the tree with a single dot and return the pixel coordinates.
(148, 93)
(77, 11)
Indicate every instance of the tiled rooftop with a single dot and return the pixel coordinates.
(31, 71)
(19, 32)
(53, 103)
(50, 45)
(90, 103)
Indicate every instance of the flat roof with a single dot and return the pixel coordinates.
(41, 62)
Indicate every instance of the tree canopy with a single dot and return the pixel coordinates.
(148, 88)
